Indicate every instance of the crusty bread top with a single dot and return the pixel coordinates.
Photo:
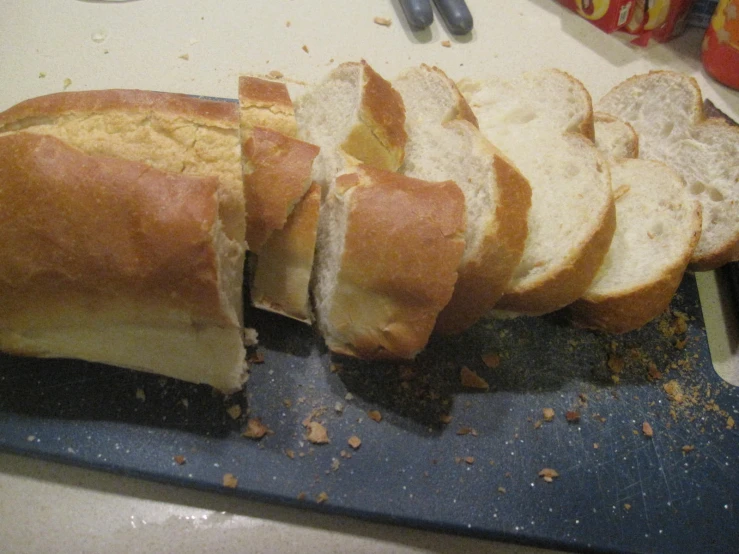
(381, 284)
(266, 104)
(277, 175)
(108, 228)
(38, 110)
(170, 132)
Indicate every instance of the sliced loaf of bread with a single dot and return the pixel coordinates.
(353, 115)
(659, 225)
(543, 123)
(443, 144)
(665, 109)
(388, 251)
(282, 203)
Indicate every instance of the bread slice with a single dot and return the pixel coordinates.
(444, 145)
(665, 109)
(354, 115)
(388, 251)
(282, 203)
(615, 138)
(659, 225)
(571, 221)
(281, 273)
(111, 261)
(170, 132)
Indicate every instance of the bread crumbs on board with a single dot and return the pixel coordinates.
(548, 474)
(180, 460)
(472, 380)
(375, 415)
(317, 433)
(446, 44)
(230, 480)
(383, 21)
(255, 429)
(322, 497)
(354, 441)
(647, 430)
(548, 414)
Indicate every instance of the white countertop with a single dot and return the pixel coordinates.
(201, 47)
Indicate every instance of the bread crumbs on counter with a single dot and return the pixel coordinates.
(185, 57)
(375, 415)
(41, 75)
(688, 448)
(230, 480)
(572, 416)
(255, 429)
(179, 460)
(674, 391)
(730, 423)
(596, 445)
(548, 414)
(491, 359)
(472, 380)
(274, 74)
(234, 412)
(305, 49)
(446, 44)
(384, 21)
(627, 507)
(467, 431)
(316, 433)
(647, 430)
(322, 497)
(502, 490)
(354, 441)
(67, 83)
(548, 474)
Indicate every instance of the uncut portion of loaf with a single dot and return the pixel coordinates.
(532, 120)
(665, 109)
(388, 251)
(353, 115)
(443, 144)
(170, 132)
(112, 261)
(659, 225)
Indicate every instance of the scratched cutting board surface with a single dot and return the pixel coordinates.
(442, 456)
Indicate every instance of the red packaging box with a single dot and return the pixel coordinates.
(607, 15)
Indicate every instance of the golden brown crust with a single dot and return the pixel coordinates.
(277, 175)
(404, 240)
(266, 104)
(170, 132)
(483, 280)
(380, 140)
(213, 112)
(281, 280)
(103, 228)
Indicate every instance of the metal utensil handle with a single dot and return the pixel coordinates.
(418, 13)
(456, 14)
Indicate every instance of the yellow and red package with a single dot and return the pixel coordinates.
(658, 20)
(607, 15)
(721, 44)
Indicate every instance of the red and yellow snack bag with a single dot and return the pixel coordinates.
(721, 44)
(658, 20)
(607, 15)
